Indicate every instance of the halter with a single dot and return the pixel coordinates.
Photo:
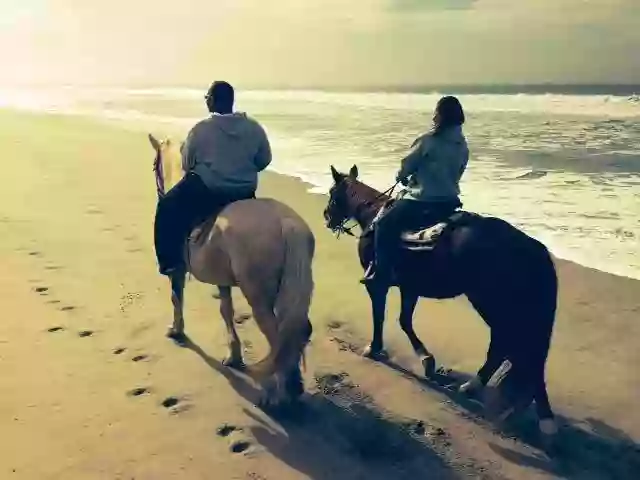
(342, 227)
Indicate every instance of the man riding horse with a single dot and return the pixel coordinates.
(211, 225)
(432, 171)
(222, 157)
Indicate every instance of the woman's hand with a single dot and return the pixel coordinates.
(403, 180)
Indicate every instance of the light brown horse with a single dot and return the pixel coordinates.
(266, 249)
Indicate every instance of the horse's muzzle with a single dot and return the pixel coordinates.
(327, 220)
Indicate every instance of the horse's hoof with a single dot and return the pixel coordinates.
(429, 365)
(235, 363)
(266, 403)
(470, 387)
(549, 435)
(378, 355)
(177, 336)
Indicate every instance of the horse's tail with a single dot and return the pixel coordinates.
(292, 301)
(294, 295)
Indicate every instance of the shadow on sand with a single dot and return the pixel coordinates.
(591, 450)
(336, 432)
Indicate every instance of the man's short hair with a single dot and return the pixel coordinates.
(220, 97)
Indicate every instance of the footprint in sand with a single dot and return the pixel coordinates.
(85, 333)
(140, 358)
(119, 350)
(225, 430)
(240, 446)
(35, 253)
(93, 211)
(237, 446)
(174, 405)
(67, 308)
(55, 329)
(345, 345)
(170, 402)
(41, 290)
(138, 391)
(53, 301)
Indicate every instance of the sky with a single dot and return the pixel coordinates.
(320, 43)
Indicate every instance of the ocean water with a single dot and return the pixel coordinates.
(563, 167)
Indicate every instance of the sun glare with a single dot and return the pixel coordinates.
(13, 13)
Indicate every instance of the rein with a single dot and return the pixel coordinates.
(342, 227)
(158, 170)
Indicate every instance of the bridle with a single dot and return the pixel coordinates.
(341, 227)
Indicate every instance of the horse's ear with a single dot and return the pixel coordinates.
(337, 176)
(155, 143)
(353, 173)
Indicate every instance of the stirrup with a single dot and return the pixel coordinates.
(369, 274)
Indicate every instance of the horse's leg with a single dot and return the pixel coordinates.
(284, 385)
(546, 419)
(268, 325)
(408, 301)
(176, 331)
(543, 406)
(294, 383)
(378, 295)
(234, 358)
(496, 354)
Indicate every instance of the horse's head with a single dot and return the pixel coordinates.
(349, 198)
(167, 163)
(339, 208)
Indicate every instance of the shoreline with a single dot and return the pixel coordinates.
(313, 189)
(169, 127)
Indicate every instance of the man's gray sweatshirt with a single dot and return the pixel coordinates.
(227, 152)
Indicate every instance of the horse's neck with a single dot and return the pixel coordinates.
(366, 203)
(172, 166)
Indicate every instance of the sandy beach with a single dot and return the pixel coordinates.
(91, 389)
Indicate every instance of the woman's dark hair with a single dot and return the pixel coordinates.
(449, 113)
(220, 97)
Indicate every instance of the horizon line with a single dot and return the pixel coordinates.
(461, 88)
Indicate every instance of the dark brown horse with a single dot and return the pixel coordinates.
(508, 277)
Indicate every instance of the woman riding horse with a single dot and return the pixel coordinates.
(508, 276)
(434, 166)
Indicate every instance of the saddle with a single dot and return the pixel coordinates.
(203, 229)
(426, 238)
(424, 235)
